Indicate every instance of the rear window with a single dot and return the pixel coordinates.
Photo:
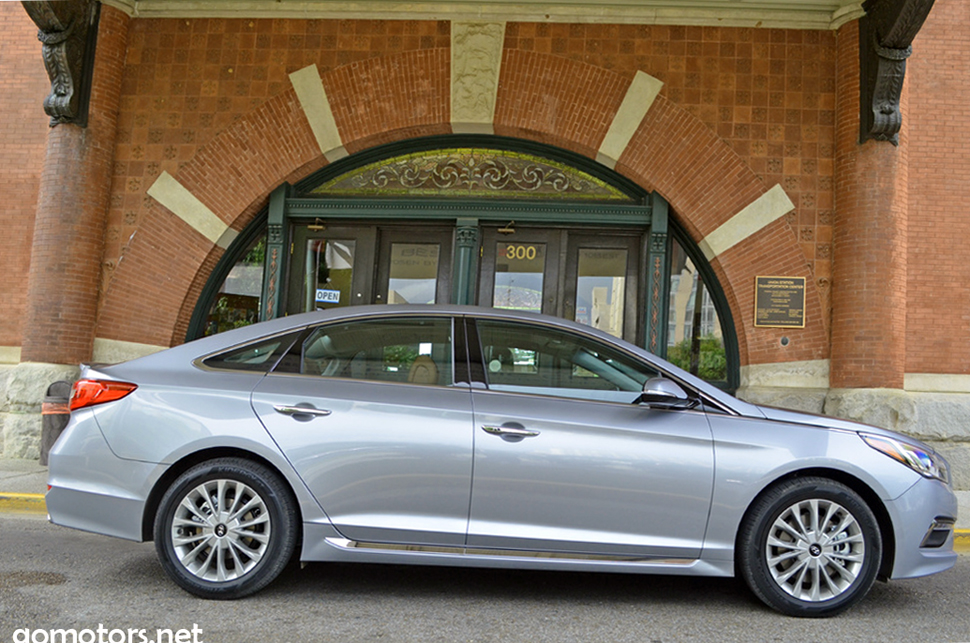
(259, 356)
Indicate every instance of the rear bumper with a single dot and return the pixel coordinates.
(913, 514)
(92, 489)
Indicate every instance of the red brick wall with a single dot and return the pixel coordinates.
(938, 285)
(65, 267)
(23, 139)
(208, 101)
(869, 290)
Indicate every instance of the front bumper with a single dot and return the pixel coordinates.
(926, 504)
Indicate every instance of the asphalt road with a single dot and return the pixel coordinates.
(56, 578)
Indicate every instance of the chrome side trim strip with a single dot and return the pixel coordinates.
(344, 543)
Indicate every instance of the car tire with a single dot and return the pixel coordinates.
(810, 547)
(226, 528)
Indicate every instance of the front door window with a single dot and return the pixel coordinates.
(518, 358)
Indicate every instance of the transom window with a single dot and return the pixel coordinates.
(472, 172)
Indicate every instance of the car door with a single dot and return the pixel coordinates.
(368, 413)
(565, 461)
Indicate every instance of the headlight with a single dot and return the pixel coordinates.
(921, 460)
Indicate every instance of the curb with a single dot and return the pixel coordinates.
(22, 503)
(961, 540)
(33, 503)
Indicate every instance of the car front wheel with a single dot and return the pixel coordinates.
(810, 547)
(226, 528)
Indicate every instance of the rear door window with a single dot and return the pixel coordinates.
(406, 350)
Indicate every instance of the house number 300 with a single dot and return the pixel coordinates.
(521, 252)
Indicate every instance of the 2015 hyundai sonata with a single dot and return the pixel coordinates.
(484, 438)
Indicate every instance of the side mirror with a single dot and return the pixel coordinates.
(661, 393)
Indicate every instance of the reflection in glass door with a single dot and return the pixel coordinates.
(329, 273)
(601, 288)
(601, 282)
(414, 265)
(520, 269)
(413, 276)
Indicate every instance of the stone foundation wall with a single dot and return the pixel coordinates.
(22, 391)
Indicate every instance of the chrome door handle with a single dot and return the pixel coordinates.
(510, 431)
(300, 410)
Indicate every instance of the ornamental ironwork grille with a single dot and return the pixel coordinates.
(472, 173)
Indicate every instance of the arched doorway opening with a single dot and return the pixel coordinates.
(480, 220)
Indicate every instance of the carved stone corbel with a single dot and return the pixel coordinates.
(68, 32)
(886, 36)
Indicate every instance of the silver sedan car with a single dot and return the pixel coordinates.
(476, 437)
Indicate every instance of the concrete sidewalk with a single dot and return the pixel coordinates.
(24, 482)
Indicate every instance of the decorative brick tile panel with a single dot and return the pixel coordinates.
(148, 289)
(557, 99)
(707, 183)
(768, 93)
(186, 81)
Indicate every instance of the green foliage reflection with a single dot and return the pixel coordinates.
(712, 362)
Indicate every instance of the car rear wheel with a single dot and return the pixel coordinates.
(226, 528)
(810, 547)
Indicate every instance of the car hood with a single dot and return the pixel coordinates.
(829, 422)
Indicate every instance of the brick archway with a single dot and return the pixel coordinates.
(541, 98)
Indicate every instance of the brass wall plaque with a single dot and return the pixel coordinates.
(779, 302)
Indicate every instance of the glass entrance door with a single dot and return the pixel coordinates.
(520, 270)
(601, 281)
(584, 274)
(328, 267)
(587, 275)
(414, 265)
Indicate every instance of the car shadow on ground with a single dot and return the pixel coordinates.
(419, 582)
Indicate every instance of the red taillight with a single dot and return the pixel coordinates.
(87, 393)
